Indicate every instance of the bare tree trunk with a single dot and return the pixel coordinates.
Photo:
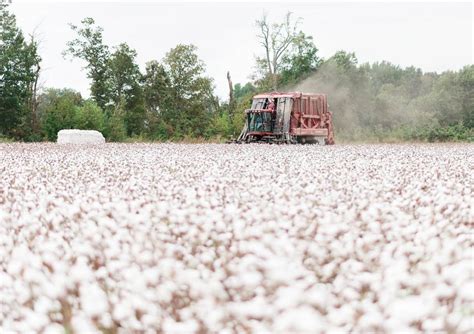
(34, 102)
(276, 39)
(231, 88)
(274, 75)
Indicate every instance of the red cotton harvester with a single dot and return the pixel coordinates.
(288, 118)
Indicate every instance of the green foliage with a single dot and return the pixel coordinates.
(242, 91)
(466, 86)
(344, 60)
(58, 109)
(174, 99)
(115, 129)
(115, 76)
(124, 74)
(19, 65)
(125, 88)
(156, 88)
(191, 100)
(89, 46)
(89, 116)
(220, 126)
(301, 60)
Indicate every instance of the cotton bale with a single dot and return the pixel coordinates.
(80, 137)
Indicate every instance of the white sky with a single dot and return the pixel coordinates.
(432, 36)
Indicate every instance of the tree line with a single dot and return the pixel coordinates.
(174, 99)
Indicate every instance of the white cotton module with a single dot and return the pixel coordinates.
(80, 137)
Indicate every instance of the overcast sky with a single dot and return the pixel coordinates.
(432, 36)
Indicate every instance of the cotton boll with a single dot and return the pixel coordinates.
(341, 316)
(409, 309)
(433, 325)
(80, 272)
(54, 328)
(82, 324)
(303, 319)
(319, 296)
(288, 298)
(35, 321)
(232, 237)
(466, 291)
(43, 305)
(93, 300)
(171, 326)
(122, 310)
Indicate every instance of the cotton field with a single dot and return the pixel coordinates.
(181, 238)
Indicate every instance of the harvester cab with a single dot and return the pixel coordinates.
(261, 118)
(288, 118)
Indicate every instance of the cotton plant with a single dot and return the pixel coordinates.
(236, 238)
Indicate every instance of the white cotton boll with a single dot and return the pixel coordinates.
(33, 275)
(409, 309)
(54, 329)
(466, 291)
(465, 325)
(171, 326)
(80, 272)
(288, 298)
(82, 324)
(43, 305)
(22, 292)
(303, 319)
(371, 319)
(444, 291)
(350, 294)
(36, 321)
(5, 279)
(56, 287)
(151, 275)
(341, 316)
(14, 268)
(251, 279)
(253, 309)
(216, 289)
(150, 321)
(123, 310)
(319, 295)
(106, 320)
(433, 325)
(93, 300)
(206, 258)
(212, 315)
(164, 292)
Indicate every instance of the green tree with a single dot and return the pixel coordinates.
(124, 73)
(157, 95)
(466, 83)
(116, 130)
(125, 87)
(89, 116)
(57, 110)
(301, 60)
(241, 91)
(19, 68)
(345, 60)
(192, 100)
(89, 46)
